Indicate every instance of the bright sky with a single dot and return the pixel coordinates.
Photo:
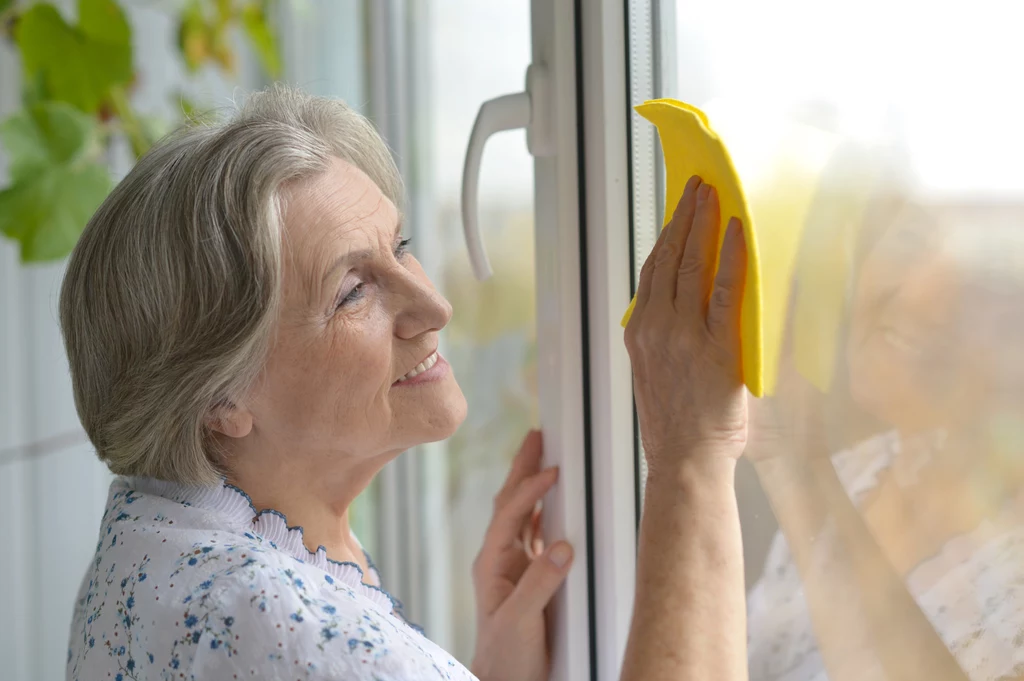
(952, 71)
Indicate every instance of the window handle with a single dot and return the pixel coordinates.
(529, 109)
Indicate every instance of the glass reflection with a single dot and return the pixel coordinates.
(881, 155)
(897, 488)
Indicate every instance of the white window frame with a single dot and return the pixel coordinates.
(548, 110)
(609, 283)
(561, 346)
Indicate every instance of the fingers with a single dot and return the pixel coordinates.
(696, 272)
(643, 291)
(532, 538)
(526, 463)
(671, 252)
(540, 582)
(726, 303)
(510, 515)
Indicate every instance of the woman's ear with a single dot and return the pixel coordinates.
(229, 419)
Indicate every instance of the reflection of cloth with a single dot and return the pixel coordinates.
(972, 591)
(192, 583)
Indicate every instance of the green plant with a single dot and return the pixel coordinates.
(76, 100)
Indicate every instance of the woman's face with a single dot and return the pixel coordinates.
(913, 355)
(358, 316)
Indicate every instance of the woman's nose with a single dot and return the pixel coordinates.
(422, 307)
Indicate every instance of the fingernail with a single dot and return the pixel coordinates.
(692, 184)
(704, 193)
(560, 555)
(735, 228)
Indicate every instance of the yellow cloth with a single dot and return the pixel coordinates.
(781, 197)
(799, 167)
(691, 147)
(824, 268)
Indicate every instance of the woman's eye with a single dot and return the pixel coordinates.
(402, 248)
(353, 295)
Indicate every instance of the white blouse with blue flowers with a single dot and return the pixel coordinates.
(193, 583)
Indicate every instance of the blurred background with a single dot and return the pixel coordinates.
(881, 149)
(111, 78)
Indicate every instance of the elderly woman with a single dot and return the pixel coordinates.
(251, 342)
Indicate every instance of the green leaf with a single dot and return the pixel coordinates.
(79, 64)
(104, 22)
(52, 133)
(48, 213)
(194, 36)
(33, 89)
(57, 181)
(254, 20)
(5, 4)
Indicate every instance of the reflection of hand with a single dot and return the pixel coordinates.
(515, 577)
(684, 338)
(789, 425)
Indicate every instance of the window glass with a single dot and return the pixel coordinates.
(475, 51)
(880, 145)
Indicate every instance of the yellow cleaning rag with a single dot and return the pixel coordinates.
(691, 148)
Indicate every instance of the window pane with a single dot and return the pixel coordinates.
(477, 51)
(879, 145)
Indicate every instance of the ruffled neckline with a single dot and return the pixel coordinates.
(271, 526)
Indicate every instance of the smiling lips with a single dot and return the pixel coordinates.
(905, 342)
(425, 365)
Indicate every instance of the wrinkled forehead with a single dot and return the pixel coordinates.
(334, 212)
(987, 245)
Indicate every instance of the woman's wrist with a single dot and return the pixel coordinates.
(692, 472)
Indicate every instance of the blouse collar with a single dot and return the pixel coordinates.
(272, 526)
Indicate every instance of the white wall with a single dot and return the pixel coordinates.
(51, 504)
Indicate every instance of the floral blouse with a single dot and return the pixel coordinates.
(192, 583)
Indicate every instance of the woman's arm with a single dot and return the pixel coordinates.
(864, 617)
(689, 620)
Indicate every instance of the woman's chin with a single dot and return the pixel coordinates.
(455, 412)
(441, 417)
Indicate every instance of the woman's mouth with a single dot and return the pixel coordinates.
(430, 369)
(907, 343)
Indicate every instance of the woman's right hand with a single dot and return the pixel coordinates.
(684, 342)
(684, 338)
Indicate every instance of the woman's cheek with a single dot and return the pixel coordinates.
(359, 357)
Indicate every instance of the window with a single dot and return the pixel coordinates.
(474, 51)
(878, 144)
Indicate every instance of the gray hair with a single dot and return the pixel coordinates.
(172, 291)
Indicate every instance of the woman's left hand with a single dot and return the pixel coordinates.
(515, 576)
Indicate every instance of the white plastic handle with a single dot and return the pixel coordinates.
(504, 113)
